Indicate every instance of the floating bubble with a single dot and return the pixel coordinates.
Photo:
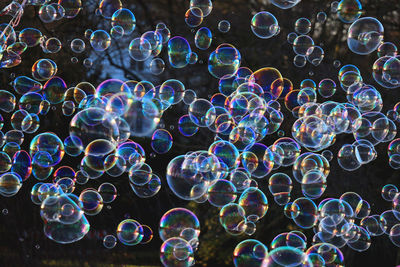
(161, 141)
(303, 45)
(178, 51)
(205, 6)
(365, 35)
(92, 202)
(222, 192)
(321, 17)
(130, 232)
(78, 45)
(250, 252)
(124, 18)
(176, 251)
(203, 38)
(10, 183)
(109, 241)
(100, 40)
(194, 17)
(264, 25)
(280, 186)
(302, 26)
(157, 66)
(174, 221)
(224, 26)
(186, 126)
(108, 7)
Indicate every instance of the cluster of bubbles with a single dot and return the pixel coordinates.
(247, 108)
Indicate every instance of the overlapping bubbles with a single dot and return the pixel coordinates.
(108, 122)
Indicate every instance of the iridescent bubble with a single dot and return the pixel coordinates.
(203, 38)
(71, 7)
(87, 62)
(109, 241)
(178, 50)
(7, 101)
(23, 85)
(148, 189)
(130, 232)
(108, 192)
(233, 218)
(161, 141)
(304, 212)
(189, 96)
(288, 256)
(224, 61)
(326, 88)
(313, 184)
(91, 124)
(205, 6)
(303, 45)
(54, 90)
(365, 35)
(194, 17)
(92, 202)
(10, 183)
(186, 126)
(192, 58)
(53, 45)
(100, 40)
(254, 202)
(264, 25)
(391, 71)
(22, 164)
(172, 91)
(155, 40)
(250, 252)
(225, 152)
(387, 49)
(280, 186)
(224, 26)
(176, 220)
(349, 10)
(315, 55)
(321, 17)
(302, 26)
(142, 117)
(66, 233)
(44, 69)
(327, 254)
(163, 31)
(176, 251)
(157, 66)
(100, 155)
(5, 162)
(222, 192)
(285, 4)
(291, 37)
(124, 18)
(30, 36)
(117, 32)
(50, 144)
(78, 45)
(108, 7)
(299, 61)
(202, 112)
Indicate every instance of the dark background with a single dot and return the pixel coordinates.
(22, 242)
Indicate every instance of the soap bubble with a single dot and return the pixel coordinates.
(264, 25)
(100, 40)
(224, 26)
(365, 35)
